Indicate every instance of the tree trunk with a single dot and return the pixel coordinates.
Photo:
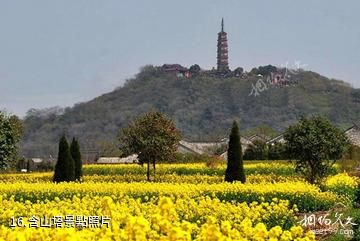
(313, 172)
(154, 170)
(148, 171)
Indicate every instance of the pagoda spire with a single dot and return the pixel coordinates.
(222, 24)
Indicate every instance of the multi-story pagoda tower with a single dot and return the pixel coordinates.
(222, 50)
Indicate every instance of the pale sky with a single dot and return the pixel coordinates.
(65, 52)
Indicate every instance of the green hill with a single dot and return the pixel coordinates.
(203, 107)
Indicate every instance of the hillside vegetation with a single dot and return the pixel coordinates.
(203, 107)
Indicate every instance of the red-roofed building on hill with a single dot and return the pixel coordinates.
(177, 70)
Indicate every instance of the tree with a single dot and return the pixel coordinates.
(276, 151)
(235, 167)
(28, 166)
(153, 137)
(10, 134)
(65, 166)
(238, 71)
(254, 71)
(315, 144)
(195, 69)
(256, 151)
(267, 70)
(17, 126)
(76, 155)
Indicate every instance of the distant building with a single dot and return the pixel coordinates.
(36, 160)
(353, 134)
(258, 137)
(222, 51)
(30, 164)
(277, 78)
(118, 160)
(176, 69)
(277, 139)
(245, 142)
(199, 147)
(184, 148)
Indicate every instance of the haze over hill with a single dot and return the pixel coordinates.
(202, 106)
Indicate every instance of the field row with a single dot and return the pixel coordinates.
(185, 202)
(277, 168)
(307, 197)
(157, 219)
(341, 184)
(168, 178)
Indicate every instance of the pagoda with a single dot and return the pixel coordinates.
(222, 50)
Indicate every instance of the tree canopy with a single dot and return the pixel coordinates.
(257, 150)
(152, 136)
(195, 69)
(315, 144)
(10, 133)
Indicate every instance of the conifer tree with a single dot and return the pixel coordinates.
(235, 167)
(65, 166)
(76, 155)
(28, 166)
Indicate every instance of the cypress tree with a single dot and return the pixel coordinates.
(76, 155)
(65, 166)
(28, 166)
(235, 167)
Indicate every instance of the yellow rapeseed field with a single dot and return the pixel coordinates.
(161, 219)
(187, 202)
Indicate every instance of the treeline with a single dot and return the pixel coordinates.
(259, 150)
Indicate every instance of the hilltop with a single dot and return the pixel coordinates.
(203, 106)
